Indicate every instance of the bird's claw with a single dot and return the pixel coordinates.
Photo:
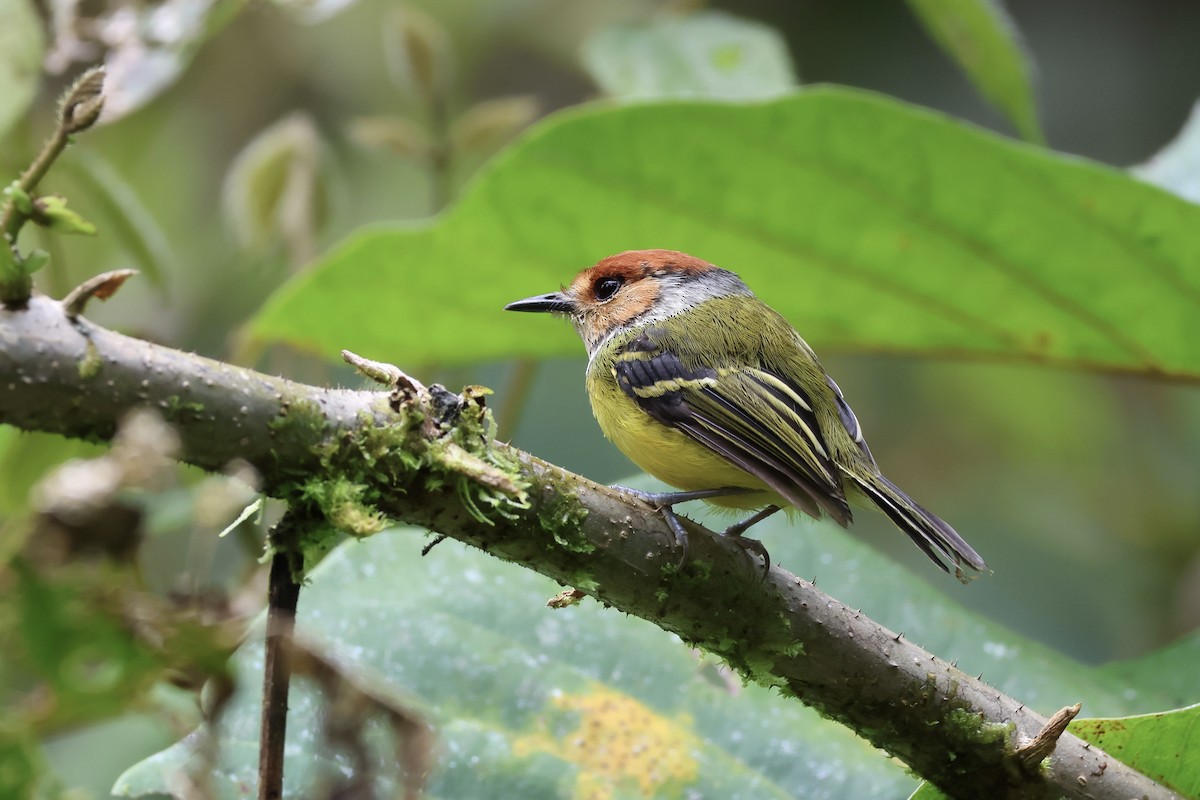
(664, 503)
(751, 547)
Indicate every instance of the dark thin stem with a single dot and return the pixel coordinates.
(283, 595)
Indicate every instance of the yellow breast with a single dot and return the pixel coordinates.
(667, 454)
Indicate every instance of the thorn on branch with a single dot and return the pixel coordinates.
(1037, 749)
(101, 287)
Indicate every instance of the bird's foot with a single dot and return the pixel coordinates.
(754, 546)
(665, 502)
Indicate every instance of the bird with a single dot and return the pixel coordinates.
(707, 388)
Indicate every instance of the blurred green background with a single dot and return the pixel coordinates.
(1080, 489)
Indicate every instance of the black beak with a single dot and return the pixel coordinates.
(555, 301)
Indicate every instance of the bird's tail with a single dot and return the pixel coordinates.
(935, 538)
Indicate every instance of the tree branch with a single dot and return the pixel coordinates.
(77, 379)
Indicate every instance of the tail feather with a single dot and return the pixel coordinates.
(930, 533)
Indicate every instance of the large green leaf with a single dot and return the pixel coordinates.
(528, 701)
(869, 223)
(1163, 746)
(523, 696)
(983, 39)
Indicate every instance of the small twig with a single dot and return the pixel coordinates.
(437, 539)
(283, 596)
(1037, 749)
(101, 287)
(565, 598)
(386, 374)
(79, 109)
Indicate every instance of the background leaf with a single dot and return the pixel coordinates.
(25, 457)
(150, 47)
(276, 189)
(21, 49)
(706, 54)
(1170, 671)
(983, 39)
(867, 222)
(123, 215)
(510, 683)
(1176, 167)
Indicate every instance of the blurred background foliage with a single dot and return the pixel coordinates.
(244, 140)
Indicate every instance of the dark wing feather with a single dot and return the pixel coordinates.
(849, 420)
(755, 418)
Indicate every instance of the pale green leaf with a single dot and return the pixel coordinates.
(513, 687)
(706, 54)
(1170, 671)
(469, 640)
(983, 39)
(276, 189)
(313, 12)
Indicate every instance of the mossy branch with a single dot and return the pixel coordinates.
(426, 457)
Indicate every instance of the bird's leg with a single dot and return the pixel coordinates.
(664, 503)
(738, 528)
(667, 499)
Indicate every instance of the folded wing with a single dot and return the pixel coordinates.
(755, 418)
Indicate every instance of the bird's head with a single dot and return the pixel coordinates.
(631, 289)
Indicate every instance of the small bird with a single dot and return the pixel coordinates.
(710, 390)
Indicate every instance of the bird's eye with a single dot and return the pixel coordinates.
(605, 288)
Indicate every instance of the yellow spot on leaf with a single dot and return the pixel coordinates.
(617, 743)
